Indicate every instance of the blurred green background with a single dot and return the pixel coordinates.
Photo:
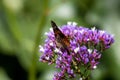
(24, 22)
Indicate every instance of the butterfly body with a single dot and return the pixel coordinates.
(61, 40)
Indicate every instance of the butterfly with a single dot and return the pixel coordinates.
(61, 40)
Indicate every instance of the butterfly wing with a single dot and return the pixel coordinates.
(61, 40)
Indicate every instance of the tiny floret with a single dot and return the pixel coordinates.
(74, 24)
(93, 29)
(94, 67)
(90, 51)
(76, 49)
(80, 79)
(69, 23)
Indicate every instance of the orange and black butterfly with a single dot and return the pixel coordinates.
(61, 40)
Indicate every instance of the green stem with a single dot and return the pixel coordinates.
(43, 19)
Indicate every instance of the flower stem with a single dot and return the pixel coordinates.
(43, 19)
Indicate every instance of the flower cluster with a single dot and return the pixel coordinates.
(85, 50)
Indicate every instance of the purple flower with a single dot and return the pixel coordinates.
(85, 49)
